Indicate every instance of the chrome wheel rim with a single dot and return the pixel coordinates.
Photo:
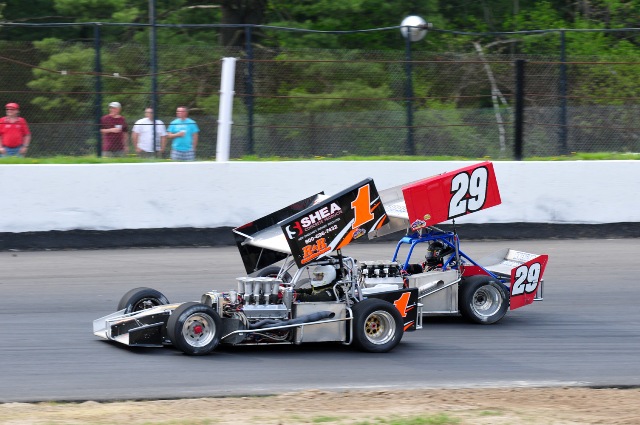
(380, 327)
(486, 301)
(198, 330)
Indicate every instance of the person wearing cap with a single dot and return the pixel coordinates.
(15, 136)
(113, 128)
(184, 133)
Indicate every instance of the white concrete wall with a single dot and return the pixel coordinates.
(210, 194)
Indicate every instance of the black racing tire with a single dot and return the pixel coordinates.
(194, 328)
(482, 300)
(377, 326)
(272, 271)
(142, 298)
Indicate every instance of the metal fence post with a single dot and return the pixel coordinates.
(410, 148)
(249, 88)
(563, 96)
(97, 69)
(519, 115)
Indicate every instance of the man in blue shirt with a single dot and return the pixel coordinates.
(184, 133)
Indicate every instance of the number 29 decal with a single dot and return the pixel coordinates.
(525, 281)
(469, 192)
(527, 278)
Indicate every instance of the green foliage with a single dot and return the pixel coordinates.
(346, 15)
(92, 159)
(90, 10)
(320, 94)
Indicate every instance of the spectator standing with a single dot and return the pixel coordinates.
(15, 136)
(114, 132)
(184, 133)
(142, 135)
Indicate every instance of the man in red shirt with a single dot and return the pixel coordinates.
(114, 132)
(14, 132)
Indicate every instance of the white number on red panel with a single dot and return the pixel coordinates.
(526, 279)
(469, 192)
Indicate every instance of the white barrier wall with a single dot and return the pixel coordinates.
(212, 194)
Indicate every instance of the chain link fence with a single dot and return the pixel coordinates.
(304, 103)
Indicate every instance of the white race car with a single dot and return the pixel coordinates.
(322, 302)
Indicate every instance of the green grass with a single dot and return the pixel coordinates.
(324, 419)
(92, 159)
(440, 419)
(490, 413)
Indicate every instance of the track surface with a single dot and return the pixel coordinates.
(586, 332)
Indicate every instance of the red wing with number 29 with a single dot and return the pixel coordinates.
(450, 195)
(525, 280)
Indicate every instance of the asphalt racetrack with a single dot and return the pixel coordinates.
(585, 332)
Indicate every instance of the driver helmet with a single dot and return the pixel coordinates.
(436, 252)
(323, 276)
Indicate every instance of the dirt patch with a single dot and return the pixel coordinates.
(542, 406)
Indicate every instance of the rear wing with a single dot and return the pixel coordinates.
(523, 270)
(311, 228)
(439, 198)
(261, 242)
(334, 223)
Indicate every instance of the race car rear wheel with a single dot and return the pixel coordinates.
(194, 328)
(482, 300)
(272, 271)
(377, 325)
(142, 298)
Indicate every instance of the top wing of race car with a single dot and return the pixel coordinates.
(440, 198)
(311, 228)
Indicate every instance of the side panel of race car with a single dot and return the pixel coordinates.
(450, 195)
(525, 277)
(406, 301)
(525, 280)
(335, 222)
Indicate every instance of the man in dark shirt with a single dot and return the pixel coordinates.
(114, 132)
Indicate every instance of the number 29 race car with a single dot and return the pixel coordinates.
(449, 281)
(317, 294)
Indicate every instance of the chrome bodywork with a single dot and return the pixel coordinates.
(261, 311)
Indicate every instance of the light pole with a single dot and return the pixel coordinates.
(413, 28)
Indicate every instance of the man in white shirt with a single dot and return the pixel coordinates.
(142, 135)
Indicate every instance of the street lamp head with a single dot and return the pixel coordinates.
(414, 28)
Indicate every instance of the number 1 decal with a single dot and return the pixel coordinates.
(362, 207)
(526, 279)
(469, 192)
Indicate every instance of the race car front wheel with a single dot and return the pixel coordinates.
(142, 298)
(482, 300)
(377, 326)
(194, 328)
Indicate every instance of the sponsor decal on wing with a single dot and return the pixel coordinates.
(334, 222)
(418, 224)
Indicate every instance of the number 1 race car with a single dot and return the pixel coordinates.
(448, 280)
(322, 301)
